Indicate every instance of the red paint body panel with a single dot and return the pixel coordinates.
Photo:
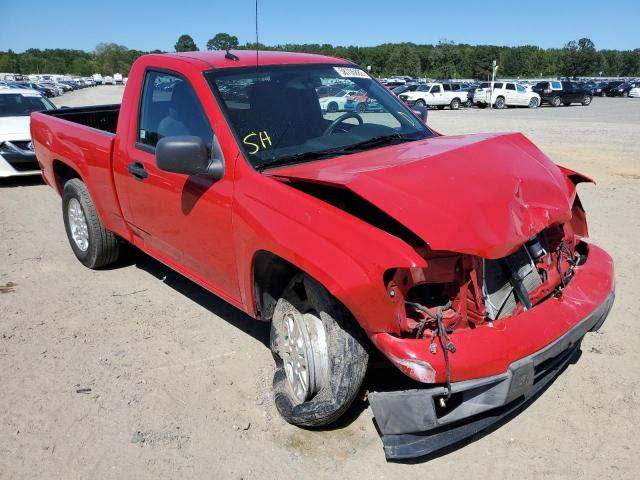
(481, 195)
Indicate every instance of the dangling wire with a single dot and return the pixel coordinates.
(441, 332)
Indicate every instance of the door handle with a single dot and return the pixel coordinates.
(137, 170)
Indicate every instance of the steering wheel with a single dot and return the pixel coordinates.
(341, 119)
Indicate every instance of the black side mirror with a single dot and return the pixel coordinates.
(421, 112)
(188, 155)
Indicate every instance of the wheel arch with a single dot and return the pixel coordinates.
(62, 173)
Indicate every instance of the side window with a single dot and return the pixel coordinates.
(511, 86)
(436, 89)
(521, 89)
(455, 87)
(498, 86)
(556, 85)
(170, 107)
(446, 87)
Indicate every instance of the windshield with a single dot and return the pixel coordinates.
(22, 104)
(278, 118)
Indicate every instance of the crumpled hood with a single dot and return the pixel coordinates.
(482, 194)
(15, 128)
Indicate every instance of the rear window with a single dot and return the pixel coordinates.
(446, 87)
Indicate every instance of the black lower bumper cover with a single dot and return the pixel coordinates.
(481, 404)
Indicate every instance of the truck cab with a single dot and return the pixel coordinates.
(437, 95)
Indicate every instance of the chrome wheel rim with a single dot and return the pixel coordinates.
(78, 224)
(587, 100)
(305, 354)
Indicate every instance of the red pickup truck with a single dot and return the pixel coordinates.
(461, 258)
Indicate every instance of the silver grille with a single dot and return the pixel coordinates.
(499, 296)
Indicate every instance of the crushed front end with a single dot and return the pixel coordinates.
(482, 336)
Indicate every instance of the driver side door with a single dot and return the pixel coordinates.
(184, 220)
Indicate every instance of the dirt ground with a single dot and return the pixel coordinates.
(180, 381)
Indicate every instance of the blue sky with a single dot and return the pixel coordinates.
(158, 23)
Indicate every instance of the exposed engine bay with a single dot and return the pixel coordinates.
(462, 291)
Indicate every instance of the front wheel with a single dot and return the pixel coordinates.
(500, 103)
(534, 102)
(625, 94)
(320, 353)
(420, 102)
(92, 244)
(332, 107)
(586, 100)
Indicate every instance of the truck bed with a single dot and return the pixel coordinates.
(100, 117)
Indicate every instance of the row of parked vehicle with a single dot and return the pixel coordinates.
(503, 94)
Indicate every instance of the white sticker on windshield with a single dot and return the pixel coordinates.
(347, 72)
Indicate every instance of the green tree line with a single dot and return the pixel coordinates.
(443, 60)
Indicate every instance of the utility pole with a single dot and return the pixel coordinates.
(494, 68)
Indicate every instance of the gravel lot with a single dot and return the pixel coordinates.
(180, 380)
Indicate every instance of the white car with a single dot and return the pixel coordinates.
(436, 95)
(635, 90)
(17, 157)
(505, 94)
(337, 101)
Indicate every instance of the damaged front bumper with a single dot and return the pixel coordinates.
(413, 423)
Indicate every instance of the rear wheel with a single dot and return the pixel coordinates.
(455, 104)
(586, 100)
(92, 244)
(361, 107)
(332, 107)
(468, 103)
(534, 102)
(625, 94)
(320, 354)
(420, 102)
(500, 103)
(555, 101)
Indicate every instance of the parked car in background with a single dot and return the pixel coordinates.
(336, 102)
(623, 89)
(44, 90)
(117, 79)
(505, 94)
(438, 95)
(17, 157)
(557, 93)
(97, 79)
(635, 90)
(108, 80)
(606, 89)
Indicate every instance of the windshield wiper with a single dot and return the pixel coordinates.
(377, 142)
(318, 154)
(298, 157)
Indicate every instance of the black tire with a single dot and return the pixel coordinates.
(455, 104)
(468, 104)
(625, 94)
(103, 246)
(603, 94)
(346, 362)
(332, 107)
(586, 100)
(420, 102)
(500, 103)
(361, 108)
(555, 101)
(481, 105)
(534, 102)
